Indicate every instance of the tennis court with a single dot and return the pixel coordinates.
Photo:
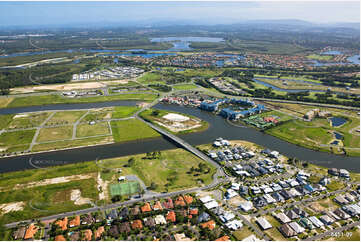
(125, 188)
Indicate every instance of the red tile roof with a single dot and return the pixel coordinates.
(137, 224)
(99, 232)
(146, 208)
(75, 221)
(60, 238)
(180, 201)
(188, 199)
(31, 231)
(157, 206)
(210, 224)
(63, 224)
(223, 238)
(193, 211)
(171, 216)
(88, 234)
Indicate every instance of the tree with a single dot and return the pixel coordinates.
(131, 161)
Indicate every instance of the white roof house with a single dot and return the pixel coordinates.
(235, 186)
(294, 192)
(246, 206)
(227, 216)
(267, 189)
(159, 219)
(231, 193)
(212, 204)
(296, 227)
(283, 218)
(206, 199)
(234, 224)
(316, 221)
(269, 198)
(263, 223)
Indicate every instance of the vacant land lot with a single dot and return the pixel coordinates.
(123, 111)
(28, 120)
(85, 130)
(5, 120)
(319, 57)
(56, 133)
(169, 171)
(184, 86)
(56, 99)
(72, 143)
(16, 137)
(131, 129)
(47, 200)
(65, 117)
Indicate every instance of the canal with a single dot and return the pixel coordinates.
(218, 128)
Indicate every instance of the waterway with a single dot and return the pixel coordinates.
(337, 121)
(218, 128)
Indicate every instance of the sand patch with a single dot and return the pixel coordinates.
(51, 181)
(175, 117)
(11, 207)
(103, 188)
(58, 87)
(23, 115)
(75, 196)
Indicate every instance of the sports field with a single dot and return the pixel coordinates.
(125, 188)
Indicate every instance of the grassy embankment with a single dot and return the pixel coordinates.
(155, 115)
(57, 99)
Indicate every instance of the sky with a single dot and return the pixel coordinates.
(67, 13)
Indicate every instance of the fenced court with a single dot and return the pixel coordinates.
(125, 188)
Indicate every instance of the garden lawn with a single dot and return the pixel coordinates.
(131, 129)
(55, 133)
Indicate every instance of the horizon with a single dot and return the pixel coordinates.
(27, 14)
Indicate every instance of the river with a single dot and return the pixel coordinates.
(219, 127)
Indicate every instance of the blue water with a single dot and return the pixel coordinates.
(335, 142)
(338, 135)
(187, 39)
(332, 52)
(337, 121)
(147, 55)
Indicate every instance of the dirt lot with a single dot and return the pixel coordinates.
(10, 207)
(66, 87)
(51, 181)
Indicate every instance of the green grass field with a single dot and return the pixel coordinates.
(184, 87)
(65, 117)
(132, 129)
(28, 120)
(72, 143)
(5, 120)
(320, 57)
(56, 99)
(14, 138)
(124, 111)
(169, 170)
(85, 130)
(124, 189)
(55, 133)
